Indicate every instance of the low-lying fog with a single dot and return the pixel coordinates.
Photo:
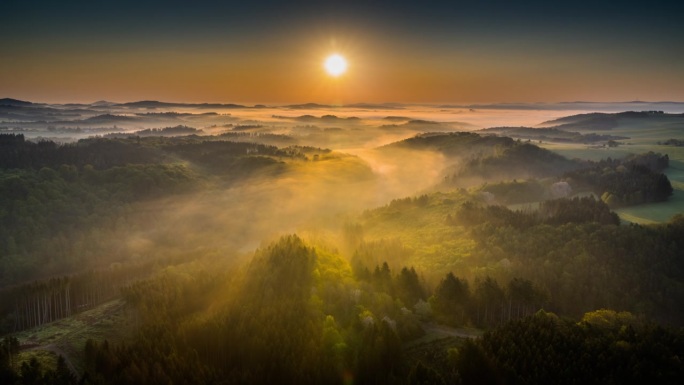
(70, 122)
(307, 195)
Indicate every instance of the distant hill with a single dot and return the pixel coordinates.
(370, 106)
(166, 131)
(323, 118)
(108, 118)
(158, 104)
(551, 134)
(598, 121)
(14, 102)
(575, 106)
(420, 125)
(102, 103)
(35, 112)
(397, 118)
(454, 144)
(307, 106)
(594, 121)
(366, 106)
(487, 158)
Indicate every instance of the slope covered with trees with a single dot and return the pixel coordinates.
(390, 295)
(300, 314)
(605, 347)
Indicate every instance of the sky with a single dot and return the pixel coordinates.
(272, 52)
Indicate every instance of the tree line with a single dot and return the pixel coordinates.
(301, 314)
(605, 347)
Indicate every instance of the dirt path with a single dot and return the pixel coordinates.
(452, 332)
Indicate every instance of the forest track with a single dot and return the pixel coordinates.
(448, 331)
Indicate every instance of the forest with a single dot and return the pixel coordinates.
(254, 256)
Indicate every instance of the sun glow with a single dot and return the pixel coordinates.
(335, 65)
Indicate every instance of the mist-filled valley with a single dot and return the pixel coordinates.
(153, 242)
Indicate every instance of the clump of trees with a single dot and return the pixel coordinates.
(299, 314)
(53, 220)
(550, 212)
(57, 202)
(545, 349)
(31, 372)
(619, 182)
(631, 181)
(672, 142)
(531, 190)
(293, 315)
(488, 305)
(166, 131)
(40, 302)
(589, 265)
(519, 160)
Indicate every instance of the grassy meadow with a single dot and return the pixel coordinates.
(644, 134)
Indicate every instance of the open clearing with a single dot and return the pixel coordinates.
(67, 337)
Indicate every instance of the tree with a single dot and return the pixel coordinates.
(61, 375)
(423, 375)
(451, 300)
(409, 288)
(32, 372)
(474, 366)
(490, 301)
(9, 348)
(521, 297)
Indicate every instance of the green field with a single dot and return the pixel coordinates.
(644, 137)
(654, 212)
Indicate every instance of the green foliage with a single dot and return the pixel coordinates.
(551, 212)
(577, 210)
(543, 349)
(552, 135)
(408, 286)
(514, 192)
(586, 266)
(672, 142)
(474, 366)
(300, 314)
(45, 215)
(455, 144)
(423, 375)
(9, 348)
(573, 251)
(283, 318)
(32, 372)
(632, 181)
(452, 300)
(100, 153)
(57, 202)
(608, 319)
(519, 160)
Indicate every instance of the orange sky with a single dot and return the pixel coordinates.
(418, 55)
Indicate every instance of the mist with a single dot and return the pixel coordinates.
(349, 163)
(347, 227)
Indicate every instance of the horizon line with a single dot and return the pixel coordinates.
(334, 105)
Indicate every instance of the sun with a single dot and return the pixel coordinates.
(335, 65)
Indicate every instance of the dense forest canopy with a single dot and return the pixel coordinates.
(441, 257)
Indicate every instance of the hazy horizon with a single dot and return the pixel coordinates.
(614, 105)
